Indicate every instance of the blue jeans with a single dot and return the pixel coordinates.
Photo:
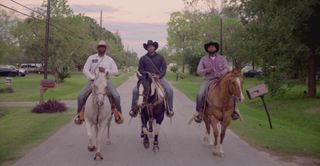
(166, 86)
(87, 89)
(204, 86)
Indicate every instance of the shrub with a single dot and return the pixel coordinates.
(51, 106)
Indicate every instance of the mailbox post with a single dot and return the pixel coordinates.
(44, 85)
(260, 91)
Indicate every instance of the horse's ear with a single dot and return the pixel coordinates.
(236, 71)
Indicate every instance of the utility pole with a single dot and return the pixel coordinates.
(100, 24)
(221, 39)
(46, 42)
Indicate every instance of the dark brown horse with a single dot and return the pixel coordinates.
(152, 106)
(220, 105)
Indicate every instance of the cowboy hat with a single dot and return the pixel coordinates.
(102, 43)
(211, 43)
(150, 42)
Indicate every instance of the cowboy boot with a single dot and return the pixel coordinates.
(80, 117)
(198, 116)
(133, 112)
(117, 115)
(235, 115)
(170, 113)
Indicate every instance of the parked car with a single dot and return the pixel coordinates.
(252, 73)
(21, 72)
(32, 67)
(6, 71)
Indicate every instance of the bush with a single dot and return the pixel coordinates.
(174, 68)
(51, 106)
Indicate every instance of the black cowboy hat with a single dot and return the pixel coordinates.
(211, 43)
(150, 42)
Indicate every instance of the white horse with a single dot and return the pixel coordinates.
(98, 114)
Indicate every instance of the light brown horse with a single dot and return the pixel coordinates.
(220, 106)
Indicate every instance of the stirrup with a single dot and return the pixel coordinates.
(235, 116)
(133, 113)
(78, 121)
(197, 119)
(170, 113)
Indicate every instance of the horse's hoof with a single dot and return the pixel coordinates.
(146, 143)
(156, 148)
(142, 134)
(108, 142)
(98, 156)
(92, 148)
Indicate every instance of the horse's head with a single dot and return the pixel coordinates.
(99, 87)
(145, 86)
(235, 84)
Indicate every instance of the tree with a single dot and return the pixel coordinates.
(72, 39)
(9, 51)
(293, 26)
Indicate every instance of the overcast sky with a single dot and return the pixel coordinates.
(135, 20)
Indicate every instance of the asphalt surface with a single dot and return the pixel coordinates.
(180, 144)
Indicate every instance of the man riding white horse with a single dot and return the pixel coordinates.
(155, 64)
(104, 63)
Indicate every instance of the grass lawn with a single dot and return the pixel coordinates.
(295, 119)
(27, 88)
(21, 129)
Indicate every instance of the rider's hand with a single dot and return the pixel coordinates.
(209, 71)
(102, 69)
(156, 76)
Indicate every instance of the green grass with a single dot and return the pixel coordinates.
(21, 129)
(27, 88)
(295, 118)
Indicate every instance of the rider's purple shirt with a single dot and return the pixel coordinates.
(219, 66)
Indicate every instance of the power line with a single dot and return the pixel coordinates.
(55, 26)
(15, 10)
(27, 7)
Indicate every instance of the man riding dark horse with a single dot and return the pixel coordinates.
(212, 67)
(104, 63)
(154, 64)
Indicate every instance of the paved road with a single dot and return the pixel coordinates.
(180, 144)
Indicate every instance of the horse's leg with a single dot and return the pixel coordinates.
(156, 141)
(207, 132)
(144, 120)
(91, 146)
(150, 125)
(158, 116)
(214, 124)
(108, 131)
(223, 133)
(101, 127)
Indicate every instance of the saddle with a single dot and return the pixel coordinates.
(117, 116)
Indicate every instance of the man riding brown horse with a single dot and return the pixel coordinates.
(212, 67)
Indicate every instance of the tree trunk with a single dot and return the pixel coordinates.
(312, 73)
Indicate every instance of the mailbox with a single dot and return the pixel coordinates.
(260, 91)
(257, 91)
(48, 84)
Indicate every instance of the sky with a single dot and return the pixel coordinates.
(136, 20)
